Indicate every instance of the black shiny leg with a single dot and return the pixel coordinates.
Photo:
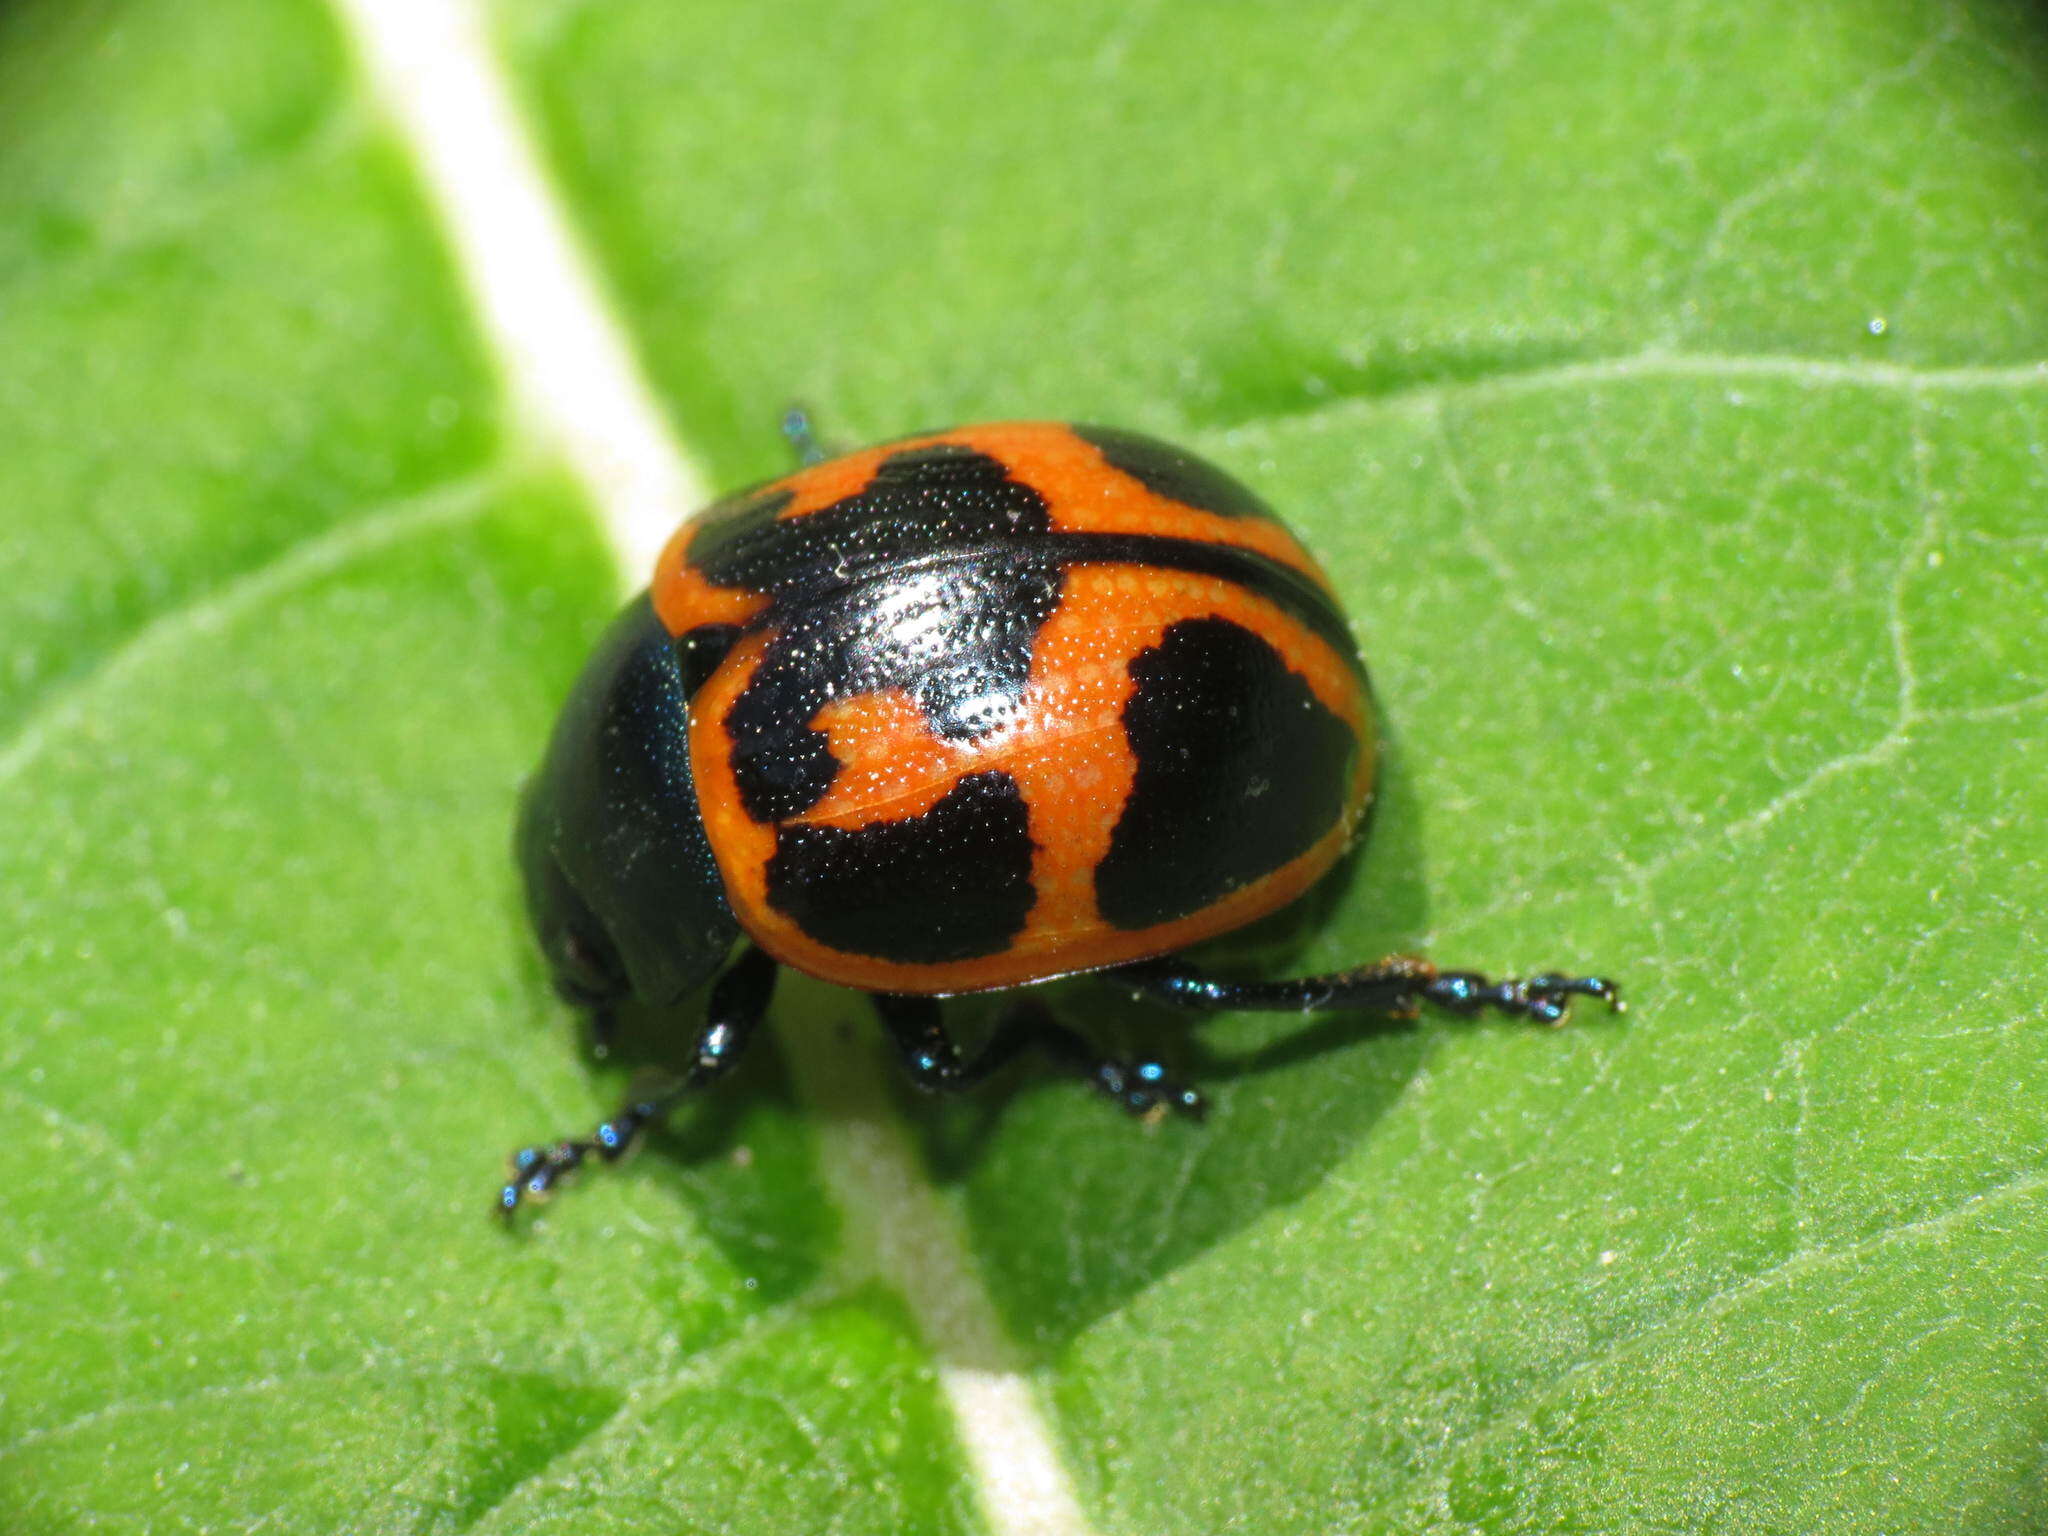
(934, 1064)
(739, 998)
(1397, 987)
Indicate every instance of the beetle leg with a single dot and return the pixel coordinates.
(934, 1064)
(739, 998)
(802, 437)
(604, 1029)
(1397, 987)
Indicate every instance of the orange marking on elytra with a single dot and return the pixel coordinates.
(891, 766)
(820, 485)
(683, 599)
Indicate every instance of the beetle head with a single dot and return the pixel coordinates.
(621, 886)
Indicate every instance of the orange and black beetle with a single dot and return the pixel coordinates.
(964, 711)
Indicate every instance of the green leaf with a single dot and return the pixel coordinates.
(1662, 387)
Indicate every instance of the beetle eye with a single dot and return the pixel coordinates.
(587, 974)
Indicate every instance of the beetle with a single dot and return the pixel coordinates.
(963, 711)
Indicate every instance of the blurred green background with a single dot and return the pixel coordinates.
(1664, 386)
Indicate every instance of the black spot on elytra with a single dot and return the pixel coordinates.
(737, 517)
(1166, 471)
(1240, 769)
(863, 597)
(699, 652)
(951, 884)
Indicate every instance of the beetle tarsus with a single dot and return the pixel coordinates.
(1146, 1089)
(1546, 999)
(536, 1171)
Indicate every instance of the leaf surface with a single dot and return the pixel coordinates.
(1663, 389)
